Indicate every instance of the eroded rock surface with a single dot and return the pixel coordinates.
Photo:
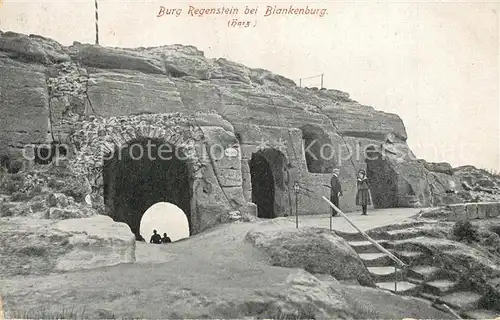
(316, 250)
(68, 83)
(42, 246)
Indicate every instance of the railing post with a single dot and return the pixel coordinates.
(321, 81)
(300, 82)
(395, 278)
(331, 221)
(296, 187)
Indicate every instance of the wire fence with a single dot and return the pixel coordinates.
(312, 81)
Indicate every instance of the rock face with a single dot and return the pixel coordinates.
(46, 192)
(40, 246)
(238, 127)
(480, 184)
(304, 296)
(315, 250)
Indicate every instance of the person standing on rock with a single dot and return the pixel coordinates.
(290, 179)
(336, 190)
(363, 195)
(155, 238)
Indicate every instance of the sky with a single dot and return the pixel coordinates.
(166, 218)
(435, 64)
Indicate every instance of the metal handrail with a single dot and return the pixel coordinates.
(384, 250)
(375, 243)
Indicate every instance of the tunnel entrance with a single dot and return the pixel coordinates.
(268, 188)
(382, 180)
(144, 173)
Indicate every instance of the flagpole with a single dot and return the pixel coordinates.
(96, 22)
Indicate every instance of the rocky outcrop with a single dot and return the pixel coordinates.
(40, 246)
(46, 192)
(480, 184)
(305, 296)
(244, 110)
(315, 250)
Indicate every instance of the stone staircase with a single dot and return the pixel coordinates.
(421, 278)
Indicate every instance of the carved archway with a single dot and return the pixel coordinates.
(142, 174)
(269, 191)
(98, 140)
(382, 178)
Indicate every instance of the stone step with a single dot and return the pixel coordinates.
(423, 272)
(403, 234)
(376, 259)
(356, 236)
(481, 314)
(462, 300)
(366, 246)
(409, 257)
(403, 287)
(439, 287)
(380, 274)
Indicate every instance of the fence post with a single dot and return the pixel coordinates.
(321, 81)
(296, 187)
(300, 82)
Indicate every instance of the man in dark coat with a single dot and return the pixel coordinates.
(336, 190)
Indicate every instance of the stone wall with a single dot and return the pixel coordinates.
(95, 99)
(473, 211)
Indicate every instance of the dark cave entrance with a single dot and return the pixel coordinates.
(382, 179)
(319, 151)
(266, 170)
(142, 174)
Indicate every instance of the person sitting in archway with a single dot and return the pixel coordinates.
(155, 238)
(165, 238)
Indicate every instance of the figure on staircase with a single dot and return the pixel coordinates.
(363, 197)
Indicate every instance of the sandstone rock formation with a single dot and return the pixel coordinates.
(234, 125)
(313, 249)
(480, 184)
(41, 246)
(46, 192)
(304, 296)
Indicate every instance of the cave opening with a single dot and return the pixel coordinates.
(318, 148)
(267, 175)
(142, 174)
(382, 180)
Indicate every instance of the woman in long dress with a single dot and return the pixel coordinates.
(363, 195)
